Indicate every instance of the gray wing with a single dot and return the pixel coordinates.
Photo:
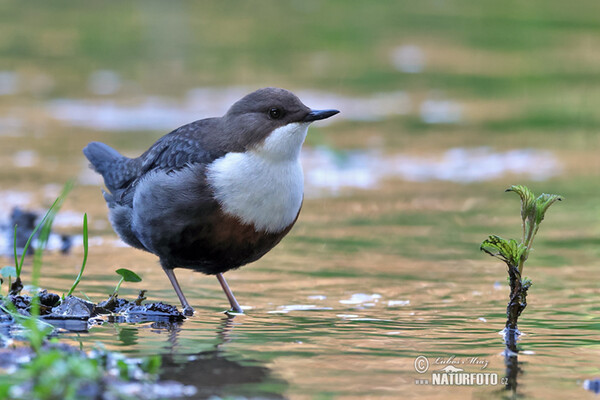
(185, 146)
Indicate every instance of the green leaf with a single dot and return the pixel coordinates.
(128, 275)
(527, 200)
(542, 203)
(85, 255)
(17, 267)
(45, 225)
(8, 271)
(509, 251)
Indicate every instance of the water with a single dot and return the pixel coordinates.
(342, 309)
(444, 105)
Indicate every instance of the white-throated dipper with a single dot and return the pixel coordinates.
(214, 194)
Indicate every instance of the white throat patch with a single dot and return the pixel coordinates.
(263, 186)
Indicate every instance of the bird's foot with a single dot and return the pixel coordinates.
(188, 311)
(235, 311)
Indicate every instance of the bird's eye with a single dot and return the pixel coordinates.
(275, 113)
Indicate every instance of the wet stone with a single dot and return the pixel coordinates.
(73, 308)
(22, 303)
(156, 310)
(113, 304)
(74, 314)
(5, 317)
(48, 299)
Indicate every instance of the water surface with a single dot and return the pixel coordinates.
(443, 106)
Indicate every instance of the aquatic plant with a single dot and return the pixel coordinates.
(126, 276)
(85, 256)
(45, 225)
(36, 330)
(45, 369)
(514, 253)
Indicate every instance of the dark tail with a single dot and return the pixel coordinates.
(117, 170)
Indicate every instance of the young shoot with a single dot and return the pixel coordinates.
(126, 276)
(45, 224)
(36, 330)
(514, 253)
(85, 255)
(533, 211)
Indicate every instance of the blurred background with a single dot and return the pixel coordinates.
(444, 104)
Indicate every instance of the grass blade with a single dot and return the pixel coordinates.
(46, 225)
(18, 271)
(85, 255)
(37, 228)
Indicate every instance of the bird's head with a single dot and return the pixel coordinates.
(272, 122)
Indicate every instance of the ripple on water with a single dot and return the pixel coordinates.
(362, 299)
(297, 307)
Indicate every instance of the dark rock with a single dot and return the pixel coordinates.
(5, 317)
(152, 312)
(159, 309)
(16, 287)
(73, 308)
(112, 304)
(75, 314)
(21, 302)
(48, 299)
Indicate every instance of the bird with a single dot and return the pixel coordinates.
(215, 194)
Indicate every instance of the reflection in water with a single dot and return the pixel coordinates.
(214, 373)
(128, 335)
(511, 360)
(513, 370)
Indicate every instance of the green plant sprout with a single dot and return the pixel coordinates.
(45, 224)
(126, 276)
(52, 372)
(515, 253)
(36, 330)
(45, 233)
(85, 255)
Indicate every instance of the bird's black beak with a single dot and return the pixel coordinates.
(315, 115)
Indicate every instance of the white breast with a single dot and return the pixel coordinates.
(263, 186)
